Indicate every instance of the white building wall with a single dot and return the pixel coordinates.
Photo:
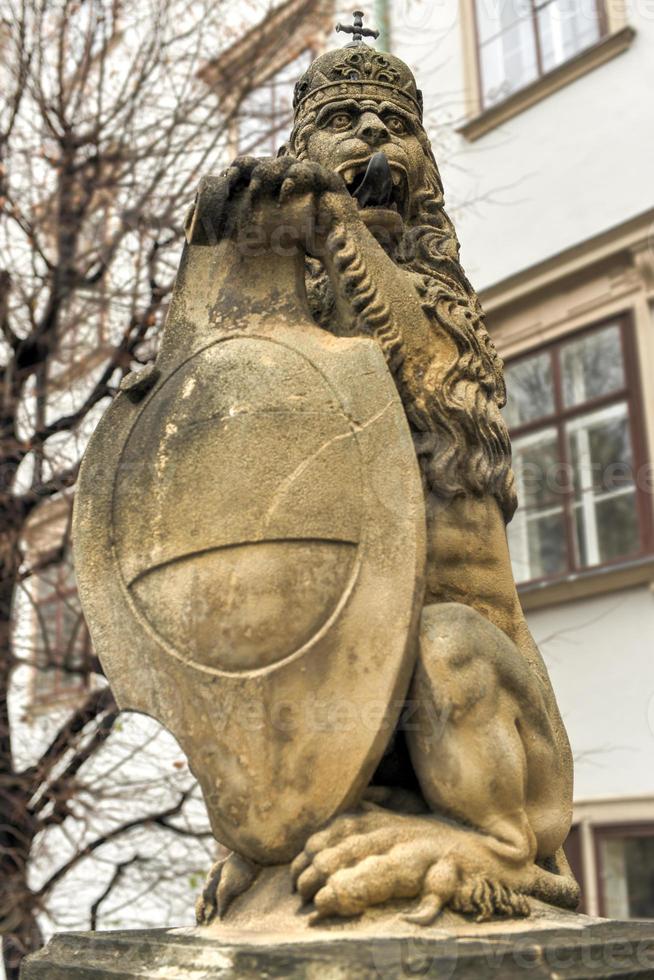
(600, 655)
(575, 164)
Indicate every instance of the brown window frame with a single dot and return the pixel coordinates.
(535, 7)
(631, 394)
(620, 831)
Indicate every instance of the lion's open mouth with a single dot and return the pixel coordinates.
(377, 183)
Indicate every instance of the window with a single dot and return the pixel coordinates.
(572, 412)
(625, 865)
(573, 850)
(616, 868)
(520, 40)
(61, 642)
(266, 113)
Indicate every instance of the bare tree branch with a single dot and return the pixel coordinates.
(96, 704)
(112, 835)
(113, 881)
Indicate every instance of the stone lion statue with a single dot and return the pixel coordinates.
(472, 801)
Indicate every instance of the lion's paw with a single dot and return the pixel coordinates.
(361, 860)
(365, 859)
(282, 203)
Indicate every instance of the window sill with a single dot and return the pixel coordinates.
(581, 585)
(610, 46)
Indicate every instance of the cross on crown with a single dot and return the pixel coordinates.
(357, 30)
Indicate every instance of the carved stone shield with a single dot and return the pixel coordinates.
(249, 548)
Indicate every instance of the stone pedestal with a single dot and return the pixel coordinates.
(545, 946)
(266, 934)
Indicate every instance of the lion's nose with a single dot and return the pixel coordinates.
(372, 129)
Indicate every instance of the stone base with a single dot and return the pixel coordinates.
(266, 934)
(562, 947)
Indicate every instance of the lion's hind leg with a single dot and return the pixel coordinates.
(484, 748)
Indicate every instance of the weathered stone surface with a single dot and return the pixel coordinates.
(567, 947)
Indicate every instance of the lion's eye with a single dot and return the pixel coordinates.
(340, 121)
(396, 125)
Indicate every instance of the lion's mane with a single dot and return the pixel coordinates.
(460, 435)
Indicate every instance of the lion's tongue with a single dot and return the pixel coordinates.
(376, 188)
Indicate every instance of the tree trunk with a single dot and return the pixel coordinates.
(9, 565)
(11, 526)
(18, 925)
(27, 939)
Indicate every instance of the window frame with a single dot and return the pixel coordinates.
(631, 394)
(614, 831)
(271, 44)
(534, 7)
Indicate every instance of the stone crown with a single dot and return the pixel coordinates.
(360, 71)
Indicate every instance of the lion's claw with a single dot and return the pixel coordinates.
(272, 203)
(227, 879)
(426, 913)
(280, 177)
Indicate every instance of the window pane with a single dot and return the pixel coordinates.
(592, 366)
(616, 535)
(496, 16)
(537, 545)
(565, 28)
(605, 515)
(536, 466)
(537, 533)
(267, 111)
(45, 683)
(508, 62)
(617, 518)
(600, 450)
(530, 393)
(627, 867)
